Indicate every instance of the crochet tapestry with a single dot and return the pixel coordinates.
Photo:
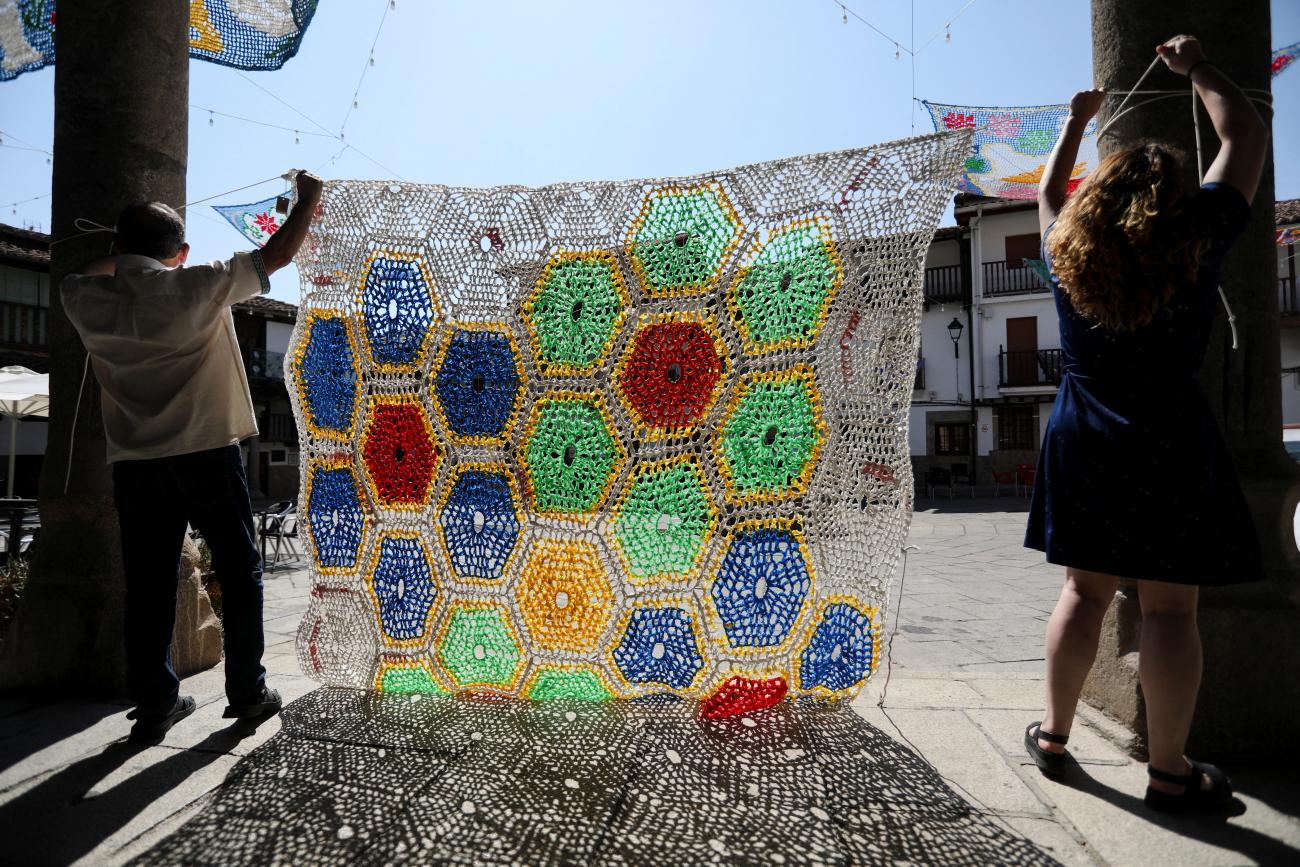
(1010, 146)
(602, 440)
(246, 34)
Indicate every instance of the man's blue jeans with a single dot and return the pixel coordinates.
(156, 499)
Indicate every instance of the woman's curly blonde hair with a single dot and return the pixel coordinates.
(1120, 247)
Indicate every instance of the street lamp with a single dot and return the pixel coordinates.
(954, 331)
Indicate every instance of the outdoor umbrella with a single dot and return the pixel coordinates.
(23, 394)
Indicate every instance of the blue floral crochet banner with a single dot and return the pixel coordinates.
(602, 440)
(1010, 146)
(256, 221)
(245, 34)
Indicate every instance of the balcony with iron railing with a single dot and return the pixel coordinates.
(1001, 279)
(1029, 368)
(278, 427)
(1287, 302)
(944, 285)
(262, 364)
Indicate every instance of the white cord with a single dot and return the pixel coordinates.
(72, 437)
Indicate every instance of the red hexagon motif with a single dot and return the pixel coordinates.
(400, 454)
(671, 373)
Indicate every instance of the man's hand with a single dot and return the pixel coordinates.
(1181, 53)
(1086, 103)
(309, 187)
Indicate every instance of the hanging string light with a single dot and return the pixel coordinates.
(295, 137)
(211, 119)
(947, 34)
(845, 13)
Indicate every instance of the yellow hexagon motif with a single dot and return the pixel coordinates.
(397, 309)
(681, 239)
(781, 295)
(327, 375)
(565, 595)
(575, 311)
(841, 648)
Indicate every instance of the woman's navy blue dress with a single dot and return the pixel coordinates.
(1134, 478)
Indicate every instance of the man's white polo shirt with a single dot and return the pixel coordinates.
(162, 342)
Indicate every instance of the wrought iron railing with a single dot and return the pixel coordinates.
(943, 285)
(1029, 367)
(23, 324)
(278, 427)
(1001, 279)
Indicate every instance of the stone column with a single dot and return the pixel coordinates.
(121, 111)
(1249, 689)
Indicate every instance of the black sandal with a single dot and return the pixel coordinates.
(1051, 764)
(1192, 797)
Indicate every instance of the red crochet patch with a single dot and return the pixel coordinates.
(740, 695)
(671, 373)
(399, 454)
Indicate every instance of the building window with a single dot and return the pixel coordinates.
(952, 438)
(1022, 247)
(1018, 427)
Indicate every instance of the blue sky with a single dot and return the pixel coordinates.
(521, 92)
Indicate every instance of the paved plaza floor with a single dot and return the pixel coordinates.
(965, 678)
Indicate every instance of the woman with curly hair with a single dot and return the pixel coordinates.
(1135, 480)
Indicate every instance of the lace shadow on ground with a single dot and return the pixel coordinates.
(358, 777)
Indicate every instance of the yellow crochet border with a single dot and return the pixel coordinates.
(799, 371)
(752, 347)
(440, 452)
(610, 427)
(552, 368)
(416, 259)
(512, 686)
(531, 601)
(628, 689)
(724, 201)
(432, 614)
(504, 437)
(337, 462)
(703, 485)
(445, 496)
(717, 633)
(873, 615)
(315, 315)
(647, 320)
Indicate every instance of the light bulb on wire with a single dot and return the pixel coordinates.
(211, 120)
(898, 53)
(947, 34)
(845, 11)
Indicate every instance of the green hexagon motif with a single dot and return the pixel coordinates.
(575, 310)
(479, 648)
(681, 237)
(408, 679)
(578, 684)
(570, 453)
(781, 296)
(664, 520)
(768, 442)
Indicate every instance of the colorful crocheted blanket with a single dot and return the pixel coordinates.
(1009, 147)
(610, 439)
(246, 34)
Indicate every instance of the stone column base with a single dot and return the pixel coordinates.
(196, 643)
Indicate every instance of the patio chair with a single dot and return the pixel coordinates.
(277, 524)
(961, 475)
(937, 477)
(1025, 474)
(1003, 478)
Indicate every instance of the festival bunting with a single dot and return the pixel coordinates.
(245, 34)
(257, 221)
(1288, 235)
(1284, 57)
(1010, 147)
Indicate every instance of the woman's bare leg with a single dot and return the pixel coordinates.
(1169, 664)
(1072, 635)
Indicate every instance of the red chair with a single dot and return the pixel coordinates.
(1025, 477)
(1001, 478)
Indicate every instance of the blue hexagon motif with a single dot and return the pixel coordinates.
(841, 650)
(762, 583)
(478, 386)
(480, 522)
(326, 372)
(335, 517)
(397, 308)
(659, 645)
(402, 587)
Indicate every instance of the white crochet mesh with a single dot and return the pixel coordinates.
(602, 440)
